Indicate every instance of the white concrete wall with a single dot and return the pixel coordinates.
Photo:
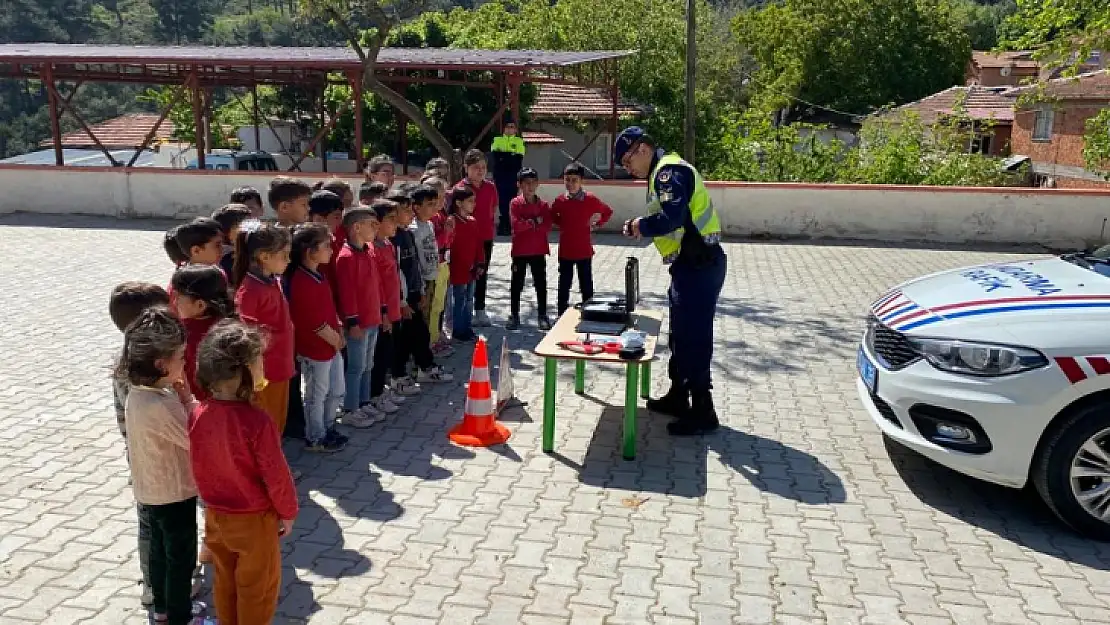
(1054, 217)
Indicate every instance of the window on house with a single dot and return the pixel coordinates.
(1095, 58)
(603, 151)
(1042, 124)
(981, 144)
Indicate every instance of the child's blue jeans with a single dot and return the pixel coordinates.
(462, 310)
(324, 387)
(360, 358)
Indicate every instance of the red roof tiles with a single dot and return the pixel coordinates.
(125, 131)
(1089, 86)
(1018, 58)
(573, 101)
(978, 103)
(535, 137)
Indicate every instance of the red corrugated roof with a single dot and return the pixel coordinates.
(125, 131)
(1017, 58)
(539, 138)
(978, 103)
(332, 58)
(563, 101)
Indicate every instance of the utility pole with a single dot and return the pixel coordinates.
(691, 70)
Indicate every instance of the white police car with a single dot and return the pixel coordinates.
(1002, 372)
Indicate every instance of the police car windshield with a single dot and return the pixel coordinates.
(1098, 261)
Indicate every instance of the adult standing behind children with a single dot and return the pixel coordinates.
(576, 214)
(531, 220)
(242, 475)
(485, 208)
(153, 363)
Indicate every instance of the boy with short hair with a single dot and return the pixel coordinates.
(389, 278)
(288, 198)
(249, 197)
(485, 208)
(201, 241)
(370, 191)
(360, 309)
(438, 167)
(127, 302)
(326, 207)
(467, 263)
(443, 227)
(230, 216)
(531, 222)
(576, 214)
(380, 169)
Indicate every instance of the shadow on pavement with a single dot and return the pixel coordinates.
(679, 466)
(1019, 516)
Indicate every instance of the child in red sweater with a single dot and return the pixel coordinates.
(261, 256)
(468, 262)
(531, 221)
(242, 476)
(577, 214)
(389, 280)
(317, 336)
(202, 301)
(485, 209)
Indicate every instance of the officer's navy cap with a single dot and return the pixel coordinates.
(625, 140)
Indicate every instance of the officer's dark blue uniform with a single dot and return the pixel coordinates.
(678, 200)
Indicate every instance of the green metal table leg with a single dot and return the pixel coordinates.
(550, 373)
(580, 376)
(645, 380)
(630, 399)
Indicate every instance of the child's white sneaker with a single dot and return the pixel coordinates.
(383, 404)
(405, 387)
(434, 374)
(360, 419)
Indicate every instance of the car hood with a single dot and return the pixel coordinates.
(995, 298)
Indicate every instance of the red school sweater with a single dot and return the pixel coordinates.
(485, 206)
(572, 215)
(195, 330)
(466, 250)
(531, 223)
(356, 284)
(237, 460)
(312, 306)
(261, 302)
(389, 279)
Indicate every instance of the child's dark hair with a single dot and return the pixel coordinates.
(399, 197)
(306, 237)
(173, 250)
(424, 193)
(378, 163)
(197, 233)
(207, 284)
(324, 203)
(407, 187)
(527, 174)
(336, 186)
(370, 191)
(154, 335)
(231, 215)
(130, 299)
(242, 195)
(354, 215)
(254, 237)
(456, 195)
(438, 163)
(226, 353)
(574, 169)
(286, 189)
(473, 157)
(384, 208)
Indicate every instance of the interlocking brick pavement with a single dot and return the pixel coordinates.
(794, 512)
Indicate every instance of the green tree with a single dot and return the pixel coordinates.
(852, 55)
(183, 21)
(1096, 148)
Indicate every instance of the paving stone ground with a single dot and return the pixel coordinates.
(794, 512)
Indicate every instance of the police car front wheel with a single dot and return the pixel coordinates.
(1072, 471)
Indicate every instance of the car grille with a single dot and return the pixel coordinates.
(895, 351)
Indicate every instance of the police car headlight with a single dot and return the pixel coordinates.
(982, 359)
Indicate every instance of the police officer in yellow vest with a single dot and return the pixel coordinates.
(506, 160)
(684, 226)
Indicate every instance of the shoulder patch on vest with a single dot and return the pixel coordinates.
(664, 175)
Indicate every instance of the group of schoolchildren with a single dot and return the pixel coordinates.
(348, 297)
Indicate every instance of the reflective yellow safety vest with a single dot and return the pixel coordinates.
(505, 143)
(701, 210)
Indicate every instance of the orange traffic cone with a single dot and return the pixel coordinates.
(479, 427)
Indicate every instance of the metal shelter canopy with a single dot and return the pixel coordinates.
(199, 69)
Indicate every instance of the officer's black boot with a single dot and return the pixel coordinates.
(701, 419)
(675, 403)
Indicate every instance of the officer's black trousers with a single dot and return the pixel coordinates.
(693, 296)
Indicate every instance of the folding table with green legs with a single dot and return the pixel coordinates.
(637, 372)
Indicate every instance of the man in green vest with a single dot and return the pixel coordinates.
(685, 228)
(506, 160)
